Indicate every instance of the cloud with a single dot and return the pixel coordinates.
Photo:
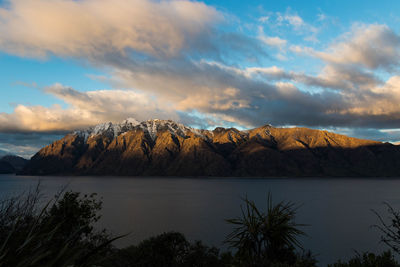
(372, 47)
(263, 19)
(293, 20)
(228, 95)
(95, 28)
(368, 46)
(344, 78)
(222, 93)
(329, 78)
(85, 109)
(354, 59)
(296, 21)
(114, 33)
(381, 101)
(351, 65)
(245, 96)
(270, 73)
(273, 41)
(26, 144)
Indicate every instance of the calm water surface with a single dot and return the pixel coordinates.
(338, 211)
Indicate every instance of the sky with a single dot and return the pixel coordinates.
(71, 64)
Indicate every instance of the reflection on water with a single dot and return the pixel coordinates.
(338, 211)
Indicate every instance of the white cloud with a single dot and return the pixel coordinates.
(263, 19)
(95, 28)
(273, 41)
(85, 109)
(353, 60)
(370, 46)
(272, 73)
(294, 20)
(381, 101)
(299, 26)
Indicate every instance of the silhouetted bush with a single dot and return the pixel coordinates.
(390, 230)
(367, 259)
(169, 250)
(267, 239)
(57, 233)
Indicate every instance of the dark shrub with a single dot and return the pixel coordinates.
(57, 233)
(169, 250)
(367, 259)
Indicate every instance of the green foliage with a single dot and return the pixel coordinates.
(386, 259)
(169, 250)
(266, 239)
(58, 234)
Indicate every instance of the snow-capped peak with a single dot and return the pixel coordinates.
(151, 127)
(155, 125)
(131, 121)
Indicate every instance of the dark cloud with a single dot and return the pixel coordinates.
(26, 144)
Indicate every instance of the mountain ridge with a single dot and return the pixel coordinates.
(167, 148)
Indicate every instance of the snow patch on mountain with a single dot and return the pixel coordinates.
(151, 127)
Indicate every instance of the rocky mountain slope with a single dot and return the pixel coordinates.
(166, 148)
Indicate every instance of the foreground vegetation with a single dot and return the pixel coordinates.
(61, 232)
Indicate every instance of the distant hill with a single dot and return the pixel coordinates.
(17, 162)
(166, 148)
(12, 164)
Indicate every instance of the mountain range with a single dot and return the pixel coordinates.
(167, 148)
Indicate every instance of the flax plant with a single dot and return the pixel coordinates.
(263, 238)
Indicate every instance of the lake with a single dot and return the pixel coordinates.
(337, 210)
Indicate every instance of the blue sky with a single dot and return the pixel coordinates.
(322, 64)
